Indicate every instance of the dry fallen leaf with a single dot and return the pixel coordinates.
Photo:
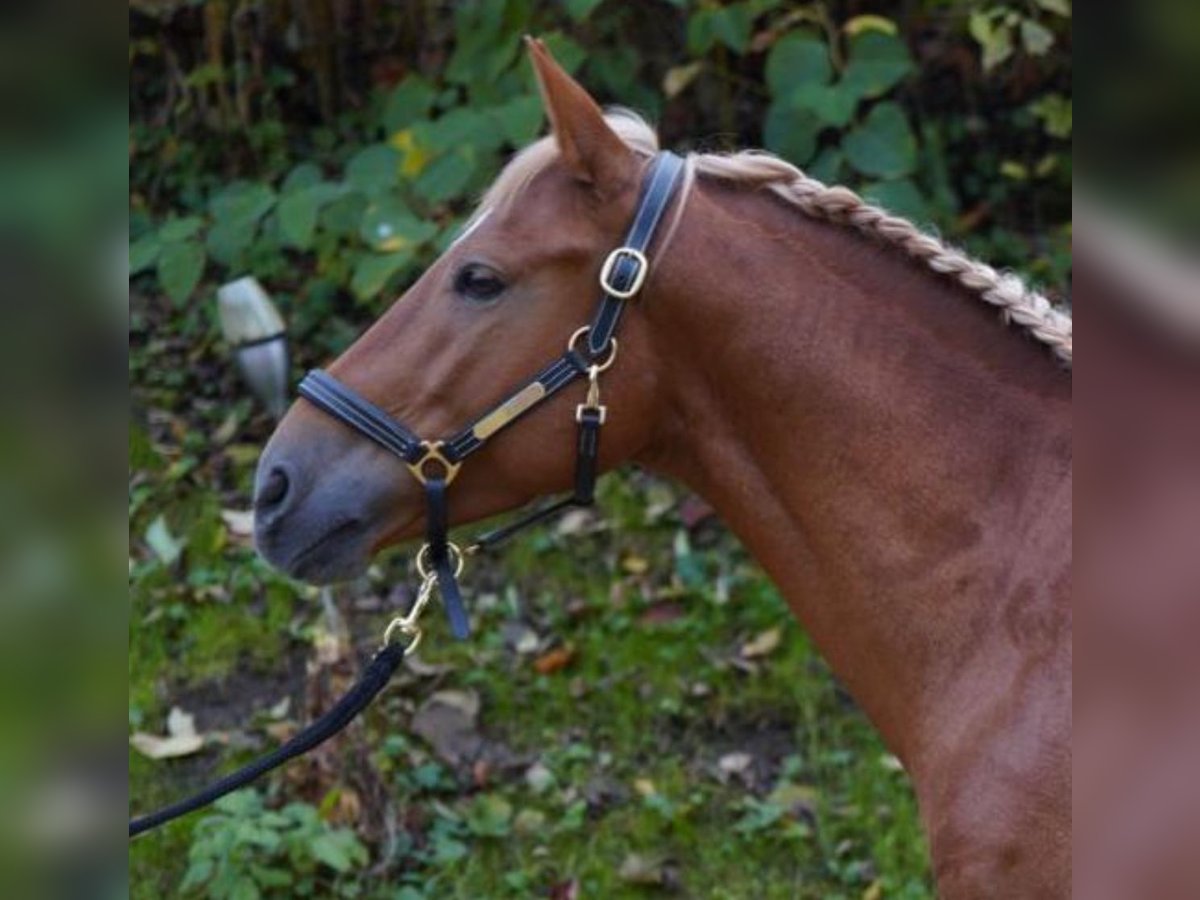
(645, 787)
(575, 521)
(679, 77)
(761, 645)
(635, 565)
(800, 800)
(734, 763)
(181, 738)
(422, 669)
(557, 659)
(638, 869)
(529, 822)
(539, 778)
(661, 613)
(891, 763)
(240, 523)
(446, 721)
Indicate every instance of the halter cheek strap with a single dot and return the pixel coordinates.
(590, 351)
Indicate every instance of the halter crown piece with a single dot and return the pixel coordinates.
(590, 351)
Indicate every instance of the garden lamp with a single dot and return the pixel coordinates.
(253, 326)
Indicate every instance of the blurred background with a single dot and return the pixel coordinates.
(637, 712)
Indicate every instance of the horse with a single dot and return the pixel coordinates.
(836, 383)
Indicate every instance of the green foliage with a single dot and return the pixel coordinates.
(1001, 29)
(837, 118)
(244, 851)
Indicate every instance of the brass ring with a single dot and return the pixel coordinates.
(612, 353)
(413, 632)
(456, 557)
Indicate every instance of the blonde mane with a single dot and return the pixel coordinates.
(1017, 302)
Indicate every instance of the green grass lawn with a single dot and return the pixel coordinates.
(636, 713)
(638, 730)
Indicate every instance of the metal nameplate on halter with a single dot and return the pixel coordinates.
(610, 264)
(509, 410)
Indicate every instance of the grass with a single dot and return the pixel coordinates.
(667, 759)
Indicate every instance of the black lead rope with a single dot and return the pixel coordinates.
(435, 464)
(373, 680)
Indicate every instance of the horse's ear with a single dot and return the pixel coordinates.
(590, 148)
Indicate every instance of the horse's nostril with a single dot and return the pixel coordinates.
(272, 490)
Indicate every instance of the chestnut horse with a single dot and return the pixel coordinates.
(837, 384)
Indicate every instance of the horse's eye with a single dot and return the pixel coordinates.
(476, 281)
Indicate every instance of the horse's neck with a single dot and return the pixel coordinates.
(896, 461)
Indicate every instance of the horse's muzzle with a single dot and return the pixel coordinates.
(319, 512)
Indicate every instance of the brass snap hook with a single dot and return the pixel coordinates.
(592, 401)
(408, 624)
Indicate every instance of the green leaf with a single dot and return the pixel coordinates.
(797, 59)
(244, 889)
(343, 216)
(700, 32)
(877, 63)
(298, 218)
(446, 177)
(447, 850)
(298, 212)
(520, 119)
(617, 69)
(731, 25)
(1036, 38)
(180, 265)
(409, 101)
(372, 272)
(304, 175)
(457, 128)
(1060, 7)
(484, 50)
(567, 53)
(242, 201)
(580, 9)
(326, 848)
(373, 168)
(827, 167)
(833, 105)
(900, 198)
(226, 241)
(791, 131)
(994, 36)
(143, 253)
(883, 146)
(1056, 114)
(197, 873)
(388, 226)
(490, 816)
(180, 229)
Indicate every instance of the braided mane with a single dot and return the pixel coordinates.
(1018, 303)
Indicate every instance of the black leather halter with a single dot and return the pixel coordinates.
(435, 463)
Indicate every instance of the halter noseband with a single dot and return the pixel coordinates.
(436, 463)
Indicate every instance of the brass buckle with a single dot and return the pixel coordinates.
(433, 453)
(606, 271)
